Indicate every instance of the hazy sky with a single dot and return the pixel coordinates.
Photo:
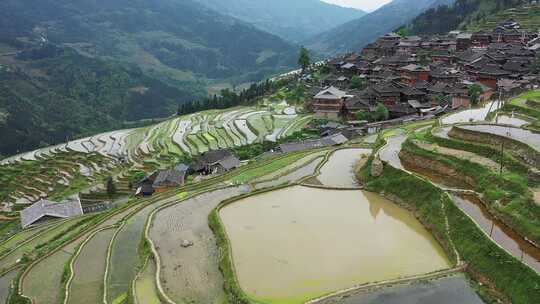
(367, 5)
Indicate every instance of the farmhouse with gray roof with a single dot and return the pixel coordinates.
(45, 210)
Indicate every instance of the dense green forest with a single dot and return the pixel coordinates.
(54, 94)
(446, 18)
(182, 40)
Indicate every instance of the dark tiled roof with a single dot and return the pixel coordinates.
(171, 177)
(44, 208)
(492, 69)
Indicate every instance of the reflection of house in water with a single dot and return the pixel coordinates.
(45, 210)
(374, 210)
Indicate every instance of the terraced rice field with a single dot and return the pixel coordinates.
(5, 282)
(44, 281)
(89, 270)
(22, 237)
(86, 161)
(12, 257)
(190, 275)
(145, 291)
(296, 226)
(124, 254)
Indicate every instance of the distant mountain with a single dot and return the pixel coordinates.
(294, 20)
(459, 15)
(179, 39)
(357, 33)
(77, 67)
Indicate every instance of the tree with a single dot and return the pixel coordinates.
(404, 31)
(363, 115)
(111, 187)
(357, 82)
(304, 59)
(381, 112)
(475, 91)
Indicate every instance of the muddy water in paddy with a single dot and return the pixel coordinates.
(500, 233)
(298, 243)
(338, 171)
(476, 114)
(525, 136)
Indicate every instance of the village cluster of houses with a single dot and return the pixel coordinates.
(427, 75)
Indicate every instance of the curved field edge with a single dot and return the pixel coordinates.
(17, 295)
(194, 191)
(485, 261)
(70, 271)
(233, 290)
(138, 282)
(519, 210)
(91, 221)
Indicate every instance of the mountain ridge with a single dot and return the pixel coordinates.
(294, 21)
(355, 34)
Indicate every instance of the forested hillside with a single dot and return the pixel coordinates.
(55, 94)
(178, 39)
(445, 18)
(75, 67)
(295, 20)
(356, 34)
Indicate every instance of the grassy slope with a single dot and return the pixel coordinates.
(516, 281)
(508, 195)
(528, 17)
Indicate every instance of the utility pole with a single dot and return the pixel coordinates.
(502, 158)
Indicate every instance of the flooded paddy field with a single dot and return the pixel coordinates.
(5, 283)
(309, 242)
(190, 275)
(89, 270)
(145, 286)
(449, 290)
(499, 232)
(338, 170)
(43, 282)
(471, 115)
(525, 136)
(510, 120)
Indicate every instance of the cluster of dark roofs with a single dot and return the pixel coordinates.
(396, 69)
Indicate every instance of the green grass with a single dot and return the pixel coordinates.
(529, 18)
(195, 142)
(249, 175)
(256, 123)
(508, 194)
(520, 104)
(297, 125)
(510, 162)
(515, 280)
